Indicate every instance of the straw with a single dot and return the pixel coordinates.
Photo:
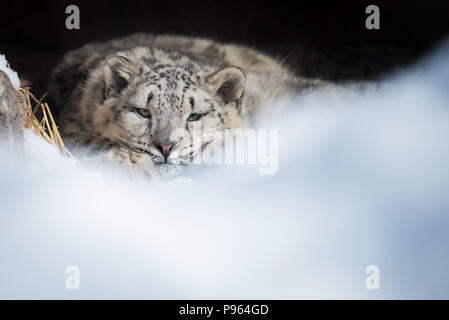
(46, 127)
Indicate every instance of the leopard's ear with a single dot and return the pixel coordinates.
(117, 73)
(228, 83)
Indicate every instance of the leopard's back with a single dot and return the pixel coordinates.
(75, 65)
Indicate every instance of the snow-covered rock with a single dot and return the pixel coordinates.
(12, 75)
(12, 108)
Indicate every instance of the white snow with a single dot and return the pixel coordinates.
(362, 180)
(13, 77)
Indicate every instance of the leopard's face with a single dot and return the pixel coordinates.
(168, 111)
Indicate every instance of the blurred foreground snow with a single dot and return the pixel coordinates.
(362, 180)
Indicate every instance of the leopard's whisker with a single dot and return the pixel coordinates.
(124, 143)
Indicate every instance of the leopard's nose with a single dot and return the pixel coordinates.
(165, 149)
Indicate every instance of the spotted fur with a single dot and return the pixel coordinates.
(122, 99)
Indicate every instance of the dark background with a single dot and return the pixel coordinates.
(326, 39)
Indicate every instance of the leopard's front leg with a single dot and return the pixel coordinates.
(136, 164)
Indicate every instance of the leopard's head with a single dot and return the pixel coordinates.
(166, 104)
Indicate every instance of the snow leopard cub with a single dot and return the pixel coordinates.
(122, 100)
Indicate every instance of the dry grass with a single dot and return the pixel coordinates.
(46, 127)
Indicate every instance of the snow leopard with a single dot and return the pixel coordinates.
(122, 100)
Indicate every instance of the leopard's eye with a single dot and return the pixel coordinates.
(144, 113)
(195, 116)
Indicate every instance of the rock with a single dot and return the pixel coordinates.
(13, 114)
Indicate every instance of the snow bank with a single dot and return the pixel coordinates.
(363, 180)
(13, 77)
